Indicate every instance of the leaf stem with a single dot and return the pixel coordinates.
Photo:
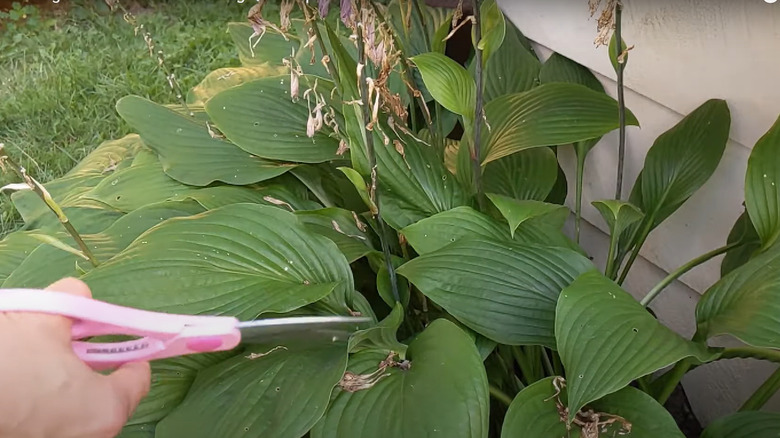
(767, 354)
(648, 225)
(312, 19)
(621, 99)
(547, 364)
(476, 153)
(675, 375)
(41, 191)
(500, 395)
(578, 195)
(522, 361)
(677, 273)
(371, 156)
(763, 393)
(610, 270)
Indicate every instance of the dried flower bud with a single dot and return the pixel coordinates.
(324, 6)
(347, 13)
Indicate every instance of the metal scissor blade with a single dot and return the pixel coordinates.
(302, 329)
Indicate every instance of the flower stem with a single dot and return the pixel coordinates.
(41, 191)
(371, 156)
(476, 153)
(621, 99)
(763, 393)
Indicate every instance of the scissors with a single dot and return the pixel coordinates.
(165, 335)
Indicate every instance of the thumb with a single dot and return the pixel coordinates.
(130, 384)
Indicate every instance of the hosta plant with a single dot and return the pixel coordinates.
(349, 166)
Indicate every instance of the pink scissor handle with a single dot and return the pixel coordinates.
(162, 335)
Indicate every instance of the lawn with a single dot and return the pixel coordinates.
(63, 67)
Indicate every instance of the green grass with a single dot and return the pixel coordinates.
(60, 77)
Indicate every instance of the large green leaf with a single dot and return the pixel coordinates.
(345, 230)
(448, 82)
(559, 68)
(533, 414)
(414, 185)
(282, 393)
(504, 291)
(14, 249)
(606, 339)
(442, 229)
(171, 379)
(548, 115)
(682, 159)
(529, 174)
(261, 118)
(744, 233)
(420, 33)
(228, 77)
(762, 194)
(514, 68)
(745, 303)
(187, 150)
(47, 264)
(110, 157)
(749, 424)
(517, 211)
(133, 187)
(241, 260)
(444, 392)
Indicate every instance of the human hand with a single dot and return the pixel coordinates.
(46, 391)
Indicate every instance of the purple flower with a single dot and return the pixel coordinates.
(346, 12)
(324, 7)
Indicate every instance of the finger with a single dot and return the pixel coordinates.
(130, 384)
(72, 286)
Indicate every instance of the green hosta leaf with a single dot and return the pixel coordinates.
(261, 118)
(516, 211)
(529, 174)
(262, 259)
(331, 187)
(493, 30)
(613, 53)
(67, 191)
(682, 159)
(606, 339)
(341, 227)
(762, 194)
(280, 394)
(548, 115)
(382, 336)
(750, 243)
(136, 186)
(750, 424)
(171, 379)
(448, 82)
(559, 68)
(444, 392)
(187, 150)
(533, 414)
(269, 52)
(560, 189)
(14, 249)
(745, 303)
(504, 291)
(138, 431)
(414, 185)
(48, 263)
(415, 39)
(618, 215)
(514, 68)
(223, 78)
(442, 229)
